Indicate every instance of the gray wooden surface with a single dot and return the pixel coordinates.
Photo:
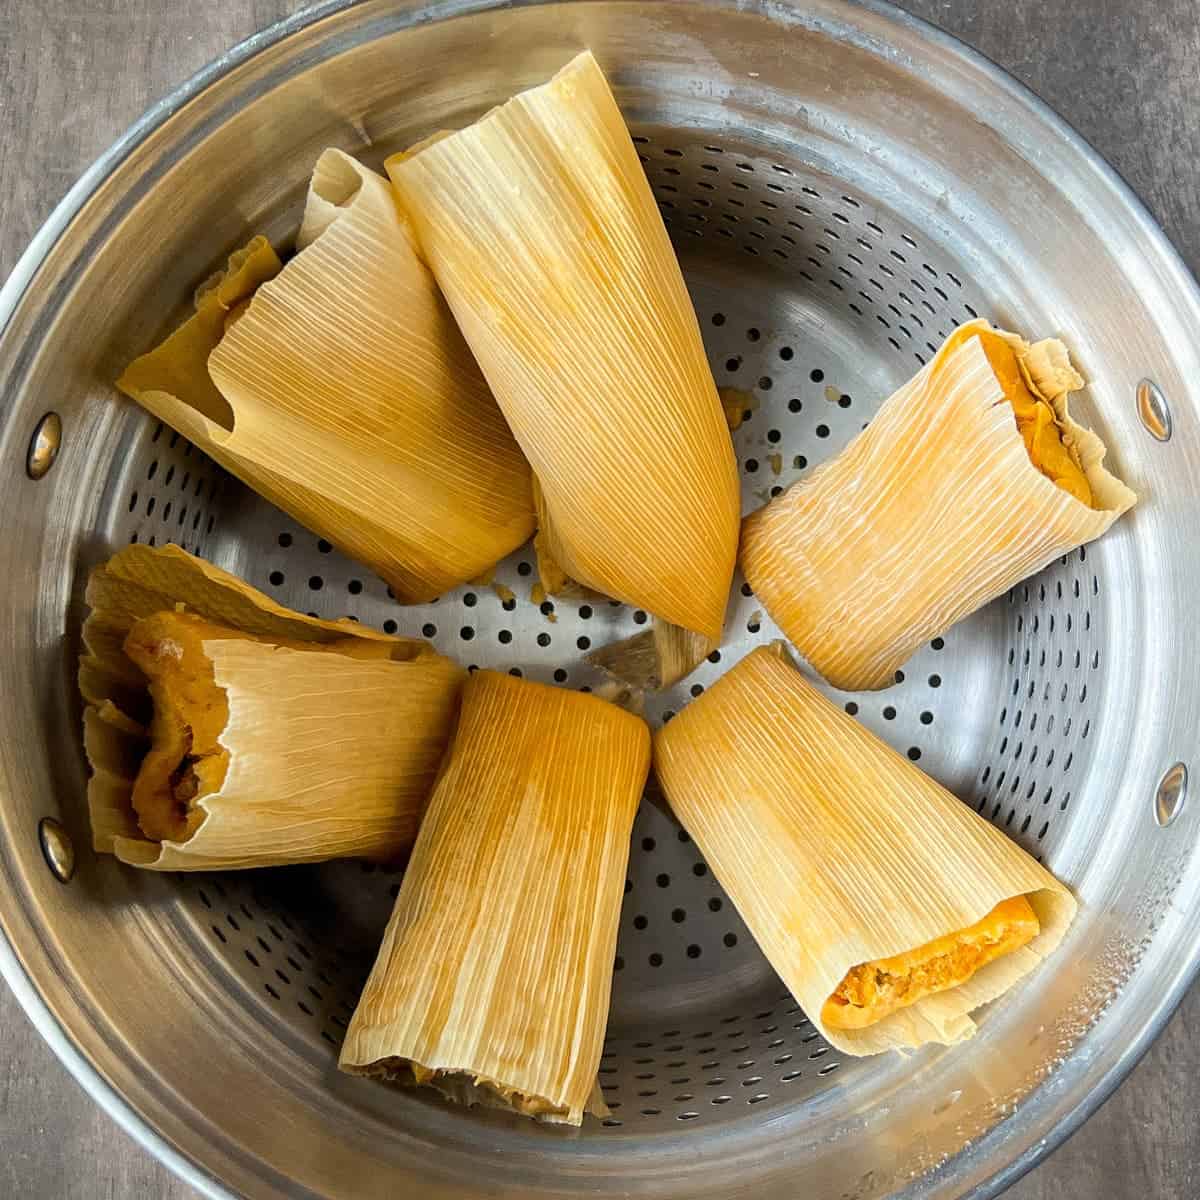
(75, 73)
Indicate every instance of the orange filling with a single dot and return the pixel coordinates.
(1036, 421)
(873, 990)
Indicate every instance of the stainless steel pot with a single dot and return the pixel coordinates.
(844, 186)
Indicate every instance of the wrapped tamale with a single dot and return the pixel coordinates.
(224, 730)
(492, 983)
(542, 231)
(970, 478)
(339, 387)
(890, 909)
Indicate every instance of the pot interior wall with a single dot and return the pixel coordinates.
(838, 210)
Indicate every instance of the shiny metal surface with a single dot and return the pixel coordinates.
(57, 848)
(44, 446)
(843, 186)
(1154, 410)
(1171, 795)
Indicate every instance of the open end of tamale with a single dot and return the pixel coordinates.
(1036, 420)
(186, 760)
(871, 991)
(467, 1088)
(179, 365)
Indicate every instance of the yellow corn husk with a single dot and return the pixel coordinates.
(543, 233)
(345, 394)
(838, 852)
(496, 965)
(552, 579)
(656, 658)
(934, 509)
(291, 739)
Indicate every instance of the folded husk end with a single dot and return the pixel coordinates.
(468, 1089)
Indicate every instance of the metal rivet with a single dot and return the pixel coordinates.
(1153, 410)
(44, 446)
(58, 848)
(1171, 794)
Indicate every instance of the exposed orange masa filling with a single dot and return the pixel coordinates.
(873, 990)
(186, 759)
(1035, 418)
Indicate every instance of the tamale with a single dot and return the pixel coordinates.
(890, 909)
(542, 231)
(492, 983)
(340, 388)
(226, 731)
(970, 478)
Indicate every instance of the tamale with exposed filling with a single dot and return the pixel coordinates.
(492, 983)
(870, 991)
(889, 908)
(226, 731)
(542, 231)
(970, 478)
(339, 387)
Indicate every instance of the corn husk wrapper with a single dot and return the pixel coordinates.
(344, 393)
(329, 756)
(552, 578)
(543, 233)
(656, 658)
(649, 661)
(493, 979)
(929, 513)
(838, 851)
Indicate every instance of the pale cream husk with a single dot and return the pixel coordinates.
(838, 851)
(544, 235)
(931, 511)
(329, 756)
(345, 394)
(493, 979)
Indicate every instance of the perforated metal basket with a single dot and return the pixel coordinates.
(844, 186)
